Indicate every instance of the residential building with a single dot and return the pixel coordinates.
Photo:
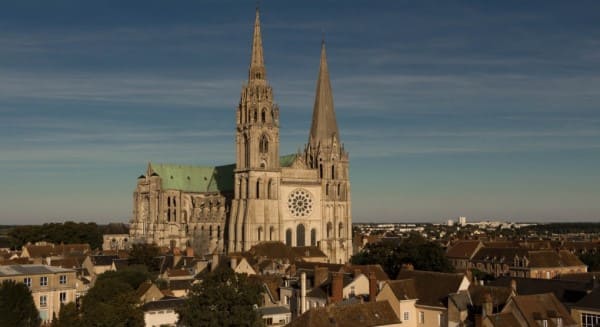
(50, 286)
(369, 314)
(538, 310)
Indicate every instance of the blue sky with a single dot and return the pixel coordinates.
(489, 110)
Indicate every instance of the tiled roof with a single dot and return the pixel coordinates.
(506, 319)
(499, 294)
(266, 311)
(549, 258)
(500, 254)
(16, 270)
(308, 252)
(183, 284)
(590, 301)
(461, 300)
(270, 282)
(403, 289)
(566, 291)
(42, 251)
(380, 274)
(103, 260)
(363, 314)
(542, 306)
(463, 249)
(272, 250)
(433, 288)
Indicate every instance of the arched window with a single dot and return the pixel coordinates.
(300, 240)
(246, 151)
(320, 170)
(329, 229)
(333, 171)
(264, 144)
(270, 189)
(340, 230)
(271, 232)
(326, 189)
(264, 115)
(210, 231)
(313, 237)
(288, 237)
(219, 232)
(259, 233)
(258, 189)
(339, 189)
(255, 115)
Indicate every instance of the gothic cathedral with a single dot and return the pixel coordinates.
(301, 199)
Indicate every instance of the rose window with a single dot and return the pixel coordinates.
(300, 203)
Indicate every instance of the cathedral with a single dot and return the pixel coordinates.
(301, 199)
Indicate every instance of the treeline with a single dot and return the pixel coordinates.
(68, 233)
(562, 228)
(392, 254)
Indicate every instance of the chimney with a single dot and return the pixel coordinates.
(488, 306)
(513, 287)
(357, 272)
(337, 287)
(233, 263)
(321, 274)
(302, 293)
(372, 287)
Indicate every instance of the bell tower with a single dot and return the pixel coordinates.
(325, 153)
(257, 156)
(257, 125)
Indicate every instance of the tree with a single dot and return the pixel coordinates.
(416, 250)
(111, 302)
(133, 275)
(592, 260)
(16, 305)
(222, 298)
(145, 254)
(68, 317)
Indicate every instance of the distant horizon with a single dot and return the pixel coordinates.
(481, 109)
(353, 222)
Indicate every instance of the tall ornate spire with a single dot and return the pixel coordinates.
(324, 127)
(257, 62)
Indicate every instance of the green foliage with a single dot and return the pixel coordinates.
(145, 254)
(68, 233)
(113, 302)
(223, 298)
(562, 228)
(68, 317)
(391, 255)
(16, 305)
(132, 275)
(592, 260)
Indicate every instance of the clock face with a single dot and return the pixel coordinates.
(300, 203)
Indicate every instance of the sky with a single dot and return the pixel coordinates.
(489, 110)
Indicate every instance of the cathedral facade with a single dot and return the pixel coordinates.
(300, 199)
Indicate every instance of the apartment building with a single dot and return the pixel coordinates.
(50, 286)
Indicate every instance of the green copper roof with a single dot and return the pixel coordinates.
(195, 178)
(200, 179)
(287, 160)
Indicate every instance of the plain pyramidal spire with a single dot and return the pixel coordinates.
(324, 127)
(257, 62)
